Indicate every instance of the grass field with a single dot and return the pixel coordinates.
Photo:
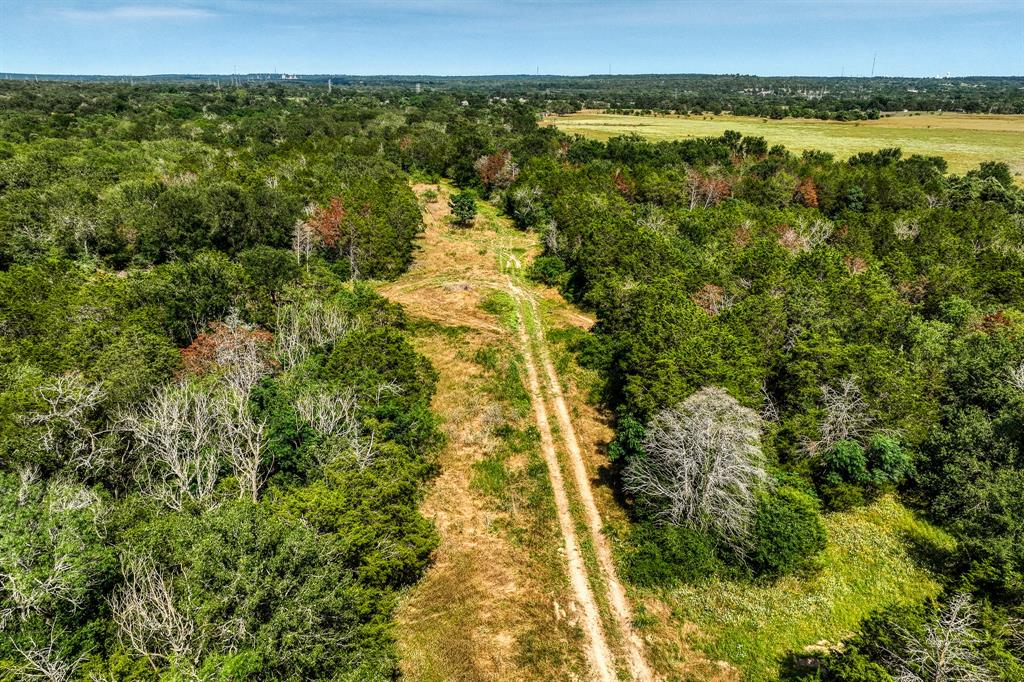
(964, 140)
(869, 563)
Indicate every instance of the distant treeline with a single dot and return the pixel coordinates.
(842, 98)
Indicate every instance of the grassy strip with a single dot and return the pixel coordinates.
(868, 564)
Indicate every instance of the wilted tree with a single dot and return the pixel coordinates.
(703, 464)
(847, 415)
(175, 434)
(147, 615)
(44, 661)
(334, 414)
(946, 651)
(1015, 375)
(305, 326)
(71, 402)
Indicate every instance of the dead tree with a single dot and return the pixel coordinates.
(70, 402)
(242, 439)
(815, 232)
(1015, 375)
(847, 415)
(334, 415)
(175, 434)
(148, 618)
(703, 464)
(43, 661)
(303, 327)
(946, 651)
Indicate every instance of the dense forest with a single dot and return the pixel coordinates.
(214, 435)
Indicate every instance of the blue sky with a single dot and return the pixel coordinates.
(460, 37)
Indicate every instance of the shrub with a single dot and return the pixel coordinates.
(549, 270)
(788, 532)
(890, 463)
(666, 555)
(845, 462)
(463, 207)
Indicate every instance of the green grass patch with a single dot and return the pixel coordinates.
(504, 378)
(424, 326)
(868, 564)
(502, 306)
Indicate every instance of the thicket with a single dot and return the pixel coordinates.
(783, 335)
(214, 436)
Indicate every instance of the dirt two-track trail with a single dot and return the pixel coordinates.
(454, 270)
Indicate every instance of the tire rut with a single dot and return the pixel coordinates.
(535, 353)
(598, 654)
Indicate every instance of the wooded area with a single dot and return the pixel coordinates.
(214, 434)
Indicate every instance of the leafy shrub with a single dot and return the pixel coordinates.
(463, 207)
(890, 463)
(851, 475)
(666, 555)
(549, 270)
(787, 534)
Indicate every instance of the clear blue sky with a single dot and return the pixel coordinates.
(767, 37)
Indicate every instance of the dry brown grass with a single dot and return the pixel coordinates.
(485, 610)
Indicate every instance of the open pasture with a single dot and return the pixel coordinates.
(964, 140)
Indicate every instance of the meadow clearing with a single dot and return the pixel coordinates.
(964, 140)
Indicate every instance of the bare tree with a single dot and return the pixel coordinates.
(334, 414)
(947, 650)
(304, 239)
(1015, 375)
(70, 402)
(243, 439)
(175, 433)
(302, 327)
(847, 415)
(703, 464)
(148, 618)
(906, 229)
(814, 232)
(43, 661)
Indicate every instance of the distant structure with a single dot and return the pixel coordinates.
(329, 85)
(418, 88)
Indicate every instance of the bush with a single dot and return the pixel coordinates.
(845, 462)
(549, 270)
(890, 463)
(788, 533)
(463, 207)
(850, 476)
(666, 555)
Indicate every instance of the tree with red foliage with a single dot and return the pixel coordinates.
(807, 193)
(497, 170)
(327, 221)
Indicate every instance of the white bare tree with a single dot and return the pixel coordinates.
(43, 661)
(242, 439)
(703, 464)
(1015, 375)
(147, 615)
(946, 651)
(814, 232)
(175, 433)
(304, 326)
(70, 402)
(334, 413)
(906, 229)
(847, 415)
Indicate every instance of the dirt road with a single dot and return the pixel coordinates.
(454, 270)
